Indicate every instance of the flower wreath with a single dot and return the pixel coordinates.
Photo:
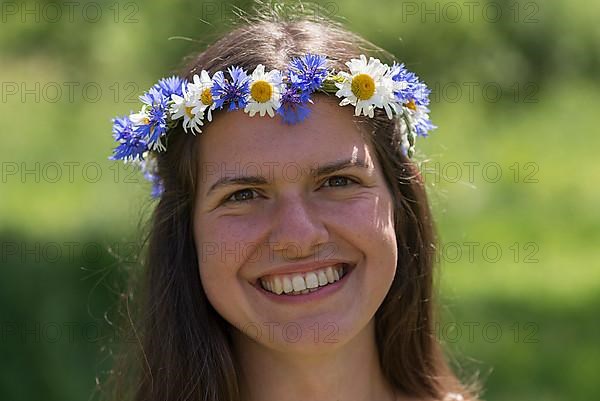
(370, 84)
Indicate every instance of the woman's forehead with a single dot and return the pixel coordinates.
(262, 150)
(329, 132)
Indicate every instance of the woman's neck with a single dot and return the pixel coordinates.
(348, 372)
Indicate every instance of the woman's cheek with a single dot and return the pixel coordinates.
(361, 210)
(230, 241)
(244, 226)
(368, 220)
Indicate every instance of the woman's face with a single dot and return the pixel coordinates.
(279, 215)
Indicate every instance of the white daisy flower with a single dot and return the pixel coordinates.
(201, 90)
(265, 92)
(186, 107)
(141, 117)
(367, 86)
(389, 101)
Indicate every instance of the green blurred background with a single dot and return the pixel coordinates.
(512, 174)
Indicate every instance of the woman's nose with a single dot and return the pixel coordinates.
(297, 227)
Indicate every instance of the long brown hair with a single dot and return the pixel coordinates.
(183, 346)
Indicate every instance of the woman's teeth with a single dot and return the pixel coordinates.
(303, 283)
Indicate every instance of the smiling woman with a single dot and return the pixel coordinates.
(289, 261)
(289, 228)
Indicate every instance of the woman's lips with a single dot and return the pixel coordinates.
(348, 267)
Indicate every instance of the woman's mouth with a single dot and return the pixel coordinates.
(298, 284)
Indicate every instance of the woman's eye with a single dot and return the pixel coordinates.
(341, 180)
(243, 195)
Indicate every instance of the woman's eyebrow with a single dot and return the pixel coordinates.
(320, 171)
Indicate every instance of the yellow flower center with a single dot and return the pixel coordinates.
(261, 91)
(188, 111)
(411, 105)
(206, 97)
(145, 121)
(363, 86)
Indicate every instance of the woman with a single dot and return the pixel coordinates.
(286, 261)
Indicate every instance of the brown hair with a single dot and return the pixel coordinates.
(184, 346)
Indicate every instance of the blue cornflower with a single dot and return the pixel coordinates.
(150, 175)
(423, 126)
(157, 188)
(293, 107)
(308, 72)
(151, 122)
(131, 146)
(421, 94)
(234, 92)
(408, 87)
(420, 120)
(171, 86)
